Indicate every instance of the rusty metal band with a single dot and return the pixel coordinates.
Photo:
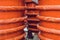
(41, 7)
(12, 20)
(51, 19)
(31, 13)
(43, 38)
(17, 38)
(49, 30)
(33, 29)
(12, 8)
(33, 24)
(46, 7)
(32, 19)
(5, 31)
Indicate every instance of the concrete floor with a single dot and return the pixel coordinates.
(35, 38)
(35, 35)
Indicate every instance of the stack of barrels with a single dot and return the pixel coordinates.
(32, 20)
(12, 20)
(45, 13)
(31, 14)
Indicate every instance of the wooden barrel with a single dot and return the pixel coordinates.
(12, 19)
(50, 19)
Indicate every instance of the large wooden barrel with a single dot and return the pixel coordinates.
(12, 19)
(50, 19)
